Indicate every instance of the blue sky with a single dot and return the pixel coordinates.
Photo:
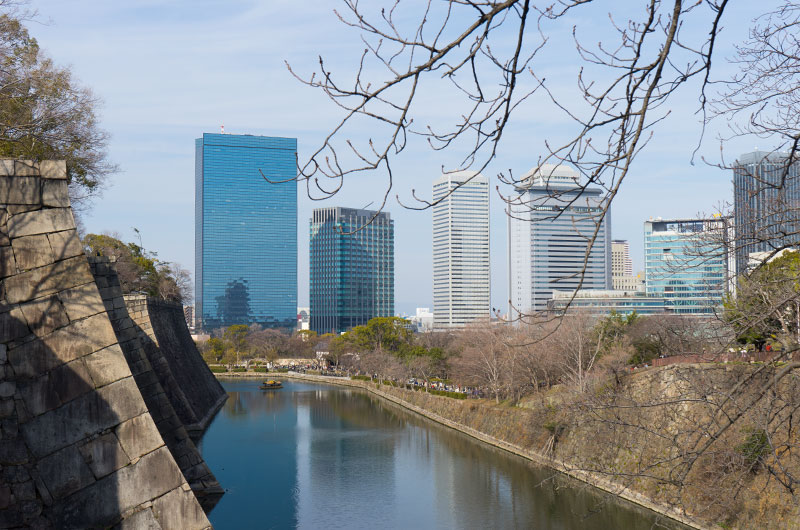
(169, 71)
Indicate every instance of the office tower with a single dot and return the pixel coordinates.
(551, 225)
(622, 278)
(461, 289)
(621, 264)
(351, 268)
(687, 262)
(766, 197)
(245, 231)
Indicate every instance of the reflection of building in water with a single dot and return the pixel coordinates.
(345, 455)
(245, 231)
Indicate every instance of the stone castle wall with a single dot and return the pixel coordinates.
(196, 394)
(129, 335)
(79, 447)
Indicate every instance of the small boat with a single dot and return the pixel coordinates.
(269, 385)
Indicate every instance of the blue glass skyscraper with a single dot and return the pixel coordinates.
(245, 231)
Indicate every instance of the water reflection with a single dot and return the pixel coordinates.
(317, 456)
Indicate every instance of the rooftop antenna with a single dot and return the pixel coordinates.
(222, 129)
(365, 207)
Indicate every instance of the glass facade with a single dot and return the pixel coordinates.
(461, 288)
(552, 222)
(603, 302)
(245, 231)
(351, 268)
(766, 197)
(686, 261)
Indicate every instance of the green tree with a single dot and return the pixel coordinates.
(235, 339)
(45, 114)
(383, 333)
(139, 270)
(215, 350)
(767, 303)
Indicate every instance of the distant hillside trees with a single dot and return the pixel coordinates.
(140, 270)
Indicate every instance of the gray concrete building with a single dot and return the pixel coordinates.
(552, 223)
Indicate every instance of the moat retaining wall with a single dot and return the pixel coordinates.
(194, 391)
(79, 447)
(129, 335)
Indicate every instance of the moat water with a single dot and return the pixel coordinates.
(327, 457)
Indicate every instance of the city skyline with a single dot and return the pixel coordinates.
(155, 103)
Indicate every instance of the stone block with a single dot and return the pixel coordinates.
(31, 359)
(80, 337)
(12, 452)
(71, 380)
(90, 413)
(8, 265)
(107, 365)
(152, 476)
(55, 193)
(104, 455)
(21, 190)
(141, 520)
(64, 472)
(39, 395)
(6, 167)
(32, 251)
(65, 244)
(53, 169)
(3, 353)
(13, 325)
(14, 474)
(26, 168)
(6, 408)
(139, 436)
(180, 509)
(47, 280)
(7, 389)
(122, 491)
(5, 497)
(44, 315)
(40, 222)
(14, 209)
(24, 491)
(82, 301)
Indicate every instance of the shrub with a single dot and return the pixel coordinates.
(260, 369)
(445, 393)
(218, 369)
(754, 448)
(239, 369)
(360, 378)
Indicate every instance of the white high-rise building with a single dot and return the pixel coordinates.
(622, 278)
(551, 225)
(461, 288)
(621, 264)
